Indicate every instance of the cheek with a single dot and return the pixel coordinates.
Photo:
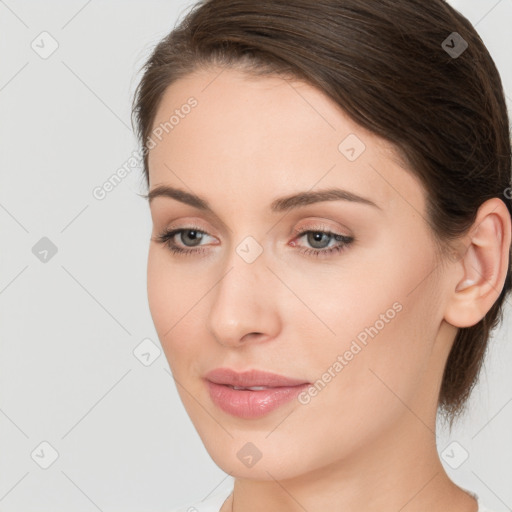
(172, 290)
(166, 295)
(381, 369)
(161, 302)
(384, 338)
(174, 302)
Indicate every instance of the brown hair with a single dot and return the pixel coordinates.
(388, 64)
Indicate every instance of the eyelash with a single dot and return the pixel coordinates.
(167, 236)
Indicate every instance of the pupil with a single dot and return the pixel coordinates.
(317, 239)
(193, 235)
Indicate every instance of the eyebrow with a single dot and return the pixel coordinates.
(281, 204)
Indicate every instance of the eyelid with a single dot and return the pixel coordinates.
(318, 226)
(183, 225)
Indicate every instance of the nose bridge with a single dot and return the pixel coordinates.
(242, 300)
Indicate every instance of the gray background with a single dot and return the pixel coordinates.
(69, 325)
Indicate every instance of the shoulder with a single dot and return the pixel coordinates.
(212, 503)
(481, 506)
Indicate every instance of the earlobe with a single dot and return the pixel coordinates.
(484, 266)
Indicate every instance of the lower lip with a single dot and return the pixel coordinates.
(249, 404)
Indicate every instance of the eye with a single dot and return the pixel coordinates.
(190, 235)
(191, 238)
(320, 240)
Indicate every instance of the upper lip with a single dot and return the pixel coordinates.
(251, 378)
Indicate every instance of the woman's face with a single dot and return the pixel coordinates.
(359, 314)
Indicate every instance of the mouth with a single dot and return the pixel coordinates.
(251, 379)
(253, 393)
(251, 388)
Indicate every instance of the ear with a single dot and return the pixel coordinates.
(479, 275)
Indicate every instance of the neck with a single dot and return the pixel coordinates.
(399, 470)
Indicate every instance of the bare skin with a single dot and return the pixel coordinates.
(366, 441)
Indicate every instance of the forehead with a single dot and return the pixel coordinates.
(267, 133)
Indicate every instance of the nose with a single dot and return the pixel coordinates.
(244, 303)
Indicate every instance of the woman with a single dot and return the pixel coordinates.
(329, 184)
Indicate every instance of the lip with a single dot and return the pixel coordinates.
(250, 378)
(250, 404)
